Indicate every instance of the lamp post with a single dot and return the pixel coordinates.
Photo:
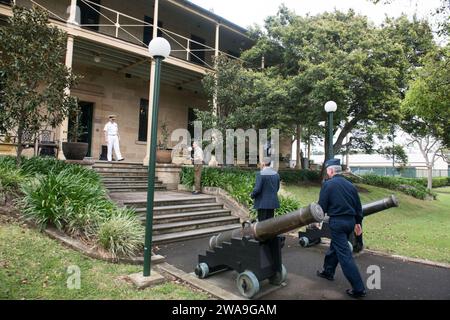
(330, 108)
(159, 49)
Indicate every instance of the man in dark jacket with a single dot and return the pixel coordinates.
(265, 191)
(340, 200)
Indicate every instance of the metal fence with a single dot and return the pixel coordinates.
(399, 172)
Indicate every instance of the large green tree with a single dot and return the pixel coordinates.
(33, 76)
(334, 56)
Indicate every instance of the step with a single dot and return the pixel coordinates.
(173, 202)
(111, 174)
(192, 234)
(182, 208)
(118, 164)
(129, 184)
(184, 216)
(133, 189)
(126, 178)
(121, 170)
(181, 226)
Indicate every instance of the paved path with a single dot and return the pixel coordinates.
(399, 279)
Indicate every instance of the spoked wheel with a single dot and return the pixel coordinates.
(303, 241)
(248, 284)
(279, 277)
(201, 270)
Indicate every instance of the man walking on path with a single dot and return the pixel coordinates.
(340, 200)
(265, 191)
(112, 138)
(198, 165)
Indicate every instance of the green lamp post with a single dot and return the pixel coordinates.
(330, 108)
(159, 49)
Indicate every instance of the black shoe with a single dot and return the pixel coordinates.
(324, 275)
(196, 192)
(121, 159)
(356, 295)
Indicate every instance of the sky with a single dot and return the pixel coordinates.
(248, 12)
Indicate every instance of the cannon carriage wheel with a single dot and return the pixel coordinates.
(202, 270)
(247, 284)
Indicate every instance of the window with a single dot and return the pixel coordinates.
(143, 120)
(89, 14)
(148, 31)
(199, 56)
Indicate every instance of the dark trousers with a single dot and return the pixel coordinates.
(341, 227)
(264, 214)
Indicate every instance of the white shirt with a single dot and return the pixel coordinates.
(111, 128)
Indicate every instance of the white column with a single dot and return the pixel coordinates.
(64, 126)
(73, 12)
(151, 89)
(216, 54)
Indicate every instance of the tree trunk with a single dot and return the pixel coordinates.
(298, 132)
(430, 177)
(19, 147)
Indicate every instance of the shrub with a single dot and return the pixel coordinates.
(64, 199)
(43, 165)
(408, 186)
(238, 183)
(296, 176)
(10, 176)
(122, 233)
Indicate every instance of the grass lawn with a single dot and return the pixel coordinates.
(32, 266)
(417, 228)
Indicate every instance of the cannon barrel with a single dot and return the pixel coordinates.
(270, 228)
(380, 205)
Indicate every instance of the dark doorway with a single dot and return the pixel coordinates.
(148, 31)
(191, 119)
(143, 120)
(89, 14)
(87, 111)
(199, 56)
(6, 1)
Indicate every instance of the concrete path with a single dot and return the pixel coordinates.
(399, 279)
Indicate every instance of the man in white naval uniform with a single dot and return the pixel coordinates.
(112, 138)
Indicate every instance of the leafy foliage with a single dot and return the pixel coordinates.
(412, 187)
(122, 234)
(238, 183)
(33, 76)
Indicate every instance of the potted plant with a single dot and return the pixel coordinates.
(72, 149)
(163, 153)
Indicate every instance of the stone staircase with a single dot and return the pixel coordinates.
(183, 216)
(177, 216)
(125, 176)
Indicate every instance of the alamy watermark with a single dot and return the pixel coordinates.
(240, 146)
(74, 278)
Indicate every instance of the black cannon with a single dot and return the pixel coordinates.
(254, 250)
(314, 232)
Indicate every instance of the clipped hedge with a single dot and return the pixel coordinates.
(437, 181)
(238, 183)
(296, 176)
(408, 186)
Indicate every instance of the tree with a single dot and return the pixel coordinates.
(426, 107)
(33, 77)
(431, 150)
(334, 56)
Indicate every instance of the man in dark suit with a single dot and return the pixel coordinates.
(265, 191)
(340, 200)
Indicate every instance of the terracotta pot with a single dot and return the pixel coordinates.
(75, 150)
(164, 156)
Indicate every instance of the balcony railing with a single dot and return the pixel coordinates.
(130, 29)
